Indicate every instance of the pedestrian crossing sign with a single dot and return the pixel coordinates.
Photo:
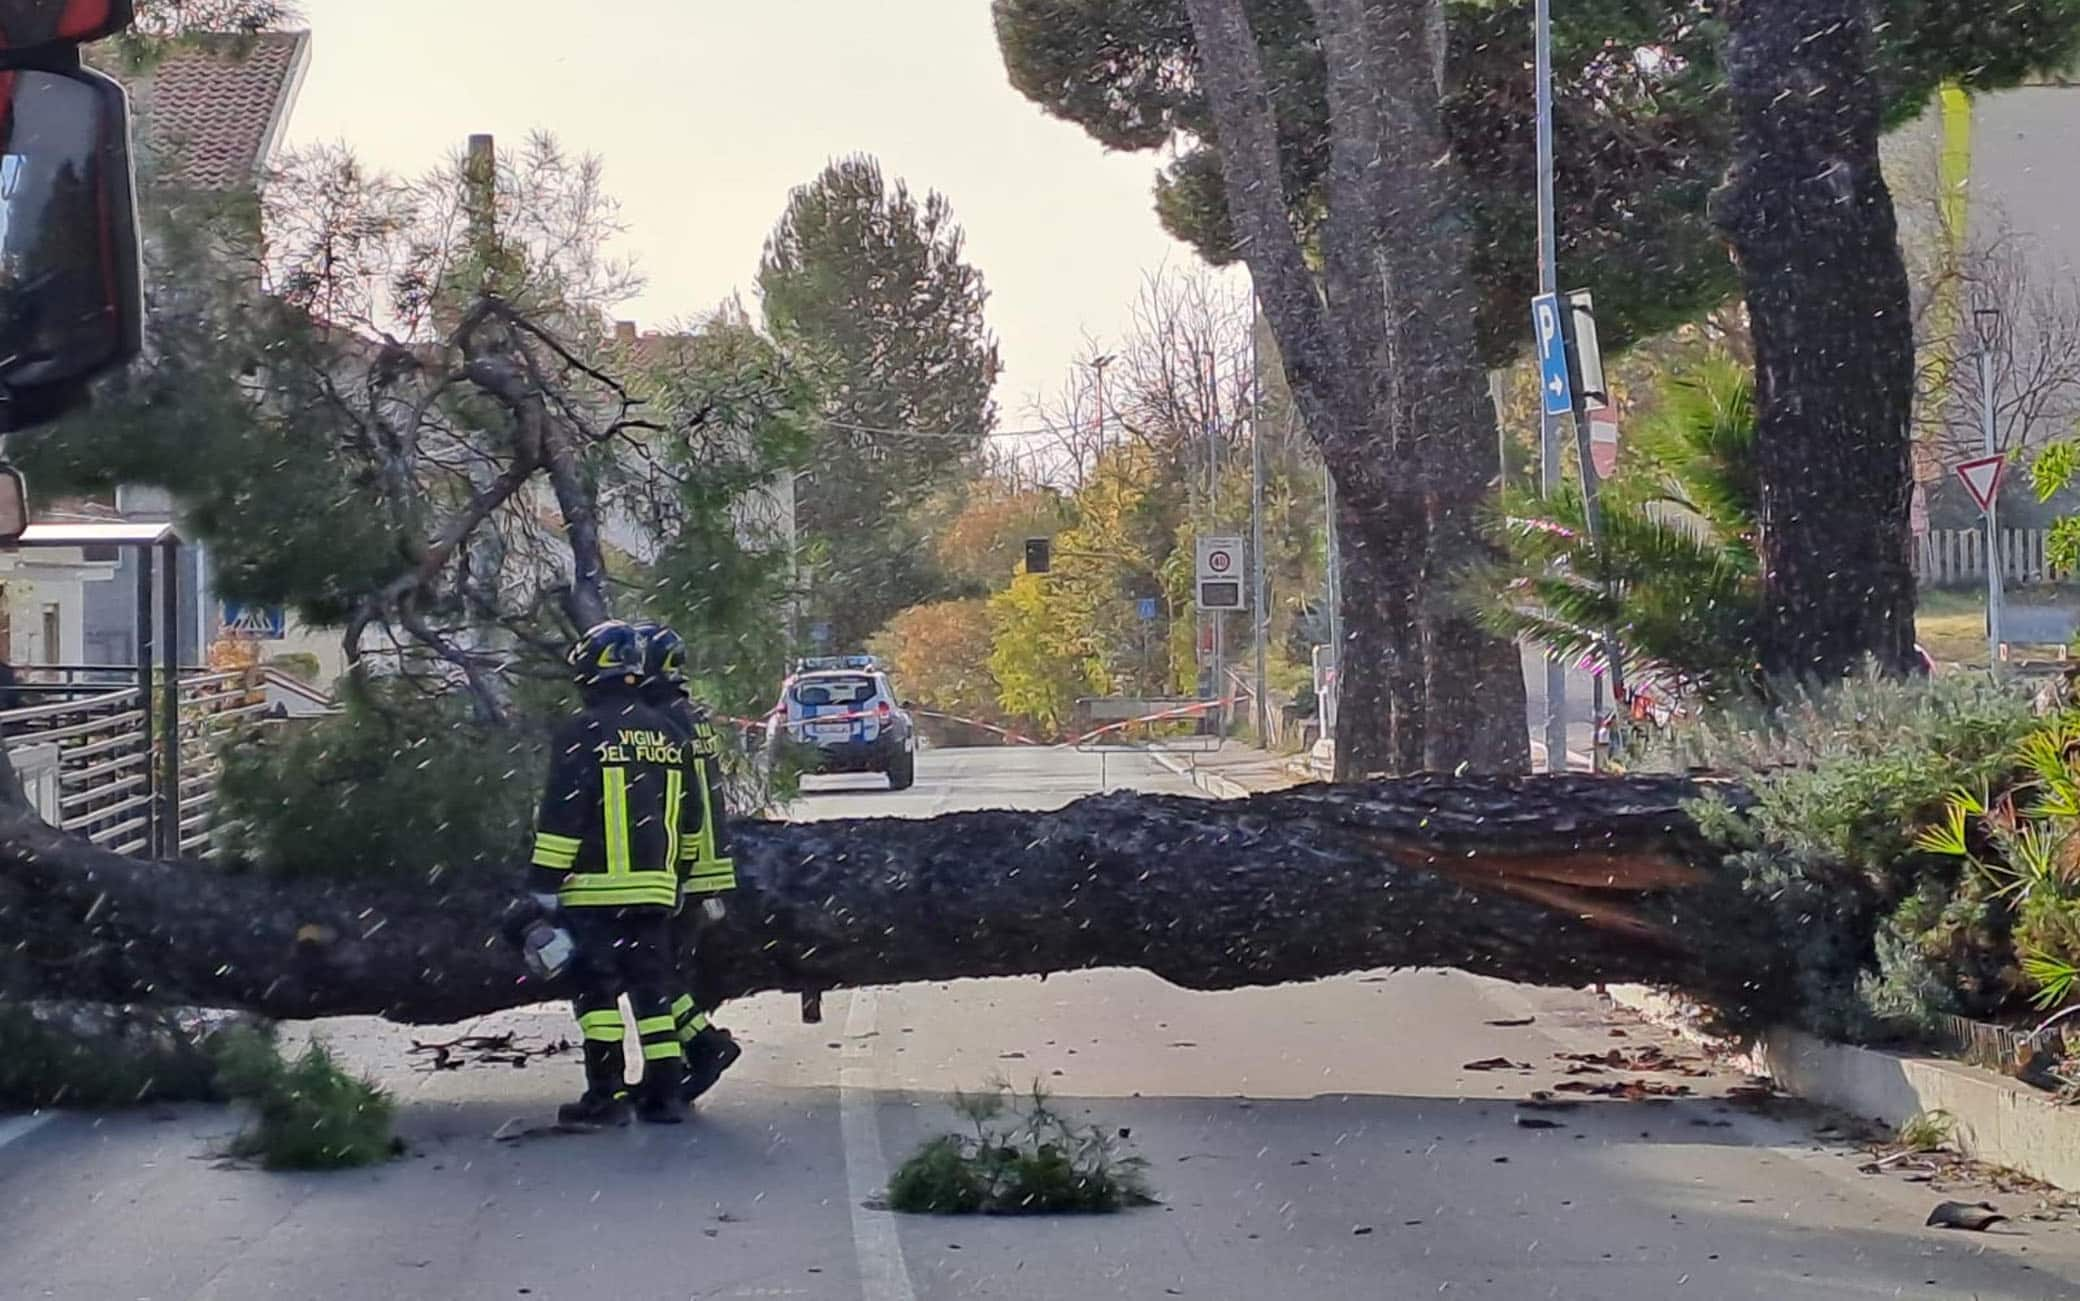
(254, 622)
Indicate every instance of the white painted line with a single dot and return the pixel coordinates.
(882, 1273)
(14, 1127)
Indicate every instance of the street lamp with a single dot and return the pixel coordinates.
(1098, 365)
(1987, 323)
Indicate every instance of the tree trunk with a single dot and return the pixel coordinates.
(1475, 711)
(1380, 676)
(1563, 880)
(1385, 371)
(1813, 229)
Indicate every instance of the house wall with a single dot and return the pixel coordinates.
(42, 582)
(109, 610)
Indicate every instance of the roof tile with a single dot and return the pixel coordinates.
(209, 106)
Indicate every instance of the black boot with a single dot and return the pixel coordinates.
(594, 1111)
(708, 1054)
(605, 1101)
(657, 1098)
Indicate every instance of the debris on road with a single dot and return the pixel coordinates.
(1648, 1058)
(1974, 1216)
(1496, 1064)
(507, 1049)
(1512, 1022)
(1627, 1090)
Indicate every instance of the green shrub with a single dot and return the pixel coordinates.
(94, 1055)
(1028, 1162)
(399, 783)
(1886, 934)
(2019, 843)
(307, 1114)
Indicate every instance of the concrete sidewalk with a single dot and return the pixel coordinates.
(1234, 770)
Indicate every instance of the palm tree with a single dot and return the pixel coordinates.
(1677, 578)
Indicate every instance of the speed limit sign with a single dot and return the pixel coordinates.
(1220, 574)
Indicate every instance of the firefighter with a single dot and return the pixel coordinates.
(705, 864)
(606, 866)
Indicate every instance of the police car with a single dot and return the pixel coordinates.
(843, 709)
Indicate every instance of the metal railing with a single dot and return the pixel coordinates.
(131, 776)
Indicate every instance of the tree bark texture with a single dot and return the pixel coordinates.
(1814, 232)
(1562, 880)
(1382, 358)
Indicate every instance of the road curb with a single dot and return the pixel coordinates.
(1221, 788)
(1996, 1119)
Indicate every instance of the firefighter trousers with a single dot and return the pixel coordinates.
(624, 951)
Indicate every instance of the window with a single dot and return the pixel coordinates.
(835, 691)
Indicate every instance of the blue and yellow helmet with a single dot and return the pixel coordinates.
(608, 653)
(664, 654)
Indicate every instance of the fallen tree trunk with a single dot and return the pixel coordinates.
(1555, 880)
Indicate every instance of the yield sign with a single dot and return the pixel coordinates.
(1982, 478)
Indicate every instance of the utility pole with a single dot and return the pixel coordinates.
(1548, 283)
(1988, 320)
(1213, 506)
(1333, 575)
(1260, 619)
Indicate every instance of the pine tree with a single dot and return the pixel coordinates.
(869, 293)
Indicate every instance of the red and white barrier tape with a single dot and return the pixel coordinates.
(1167, 715)
(1004, 732)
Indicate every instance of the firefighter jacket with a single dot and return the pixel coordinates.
(704, 853)
(609, 832)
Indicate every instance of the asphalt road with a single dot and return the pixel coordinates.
(1321, 1141)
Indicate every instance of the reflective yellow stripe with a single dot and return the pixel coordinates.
(707, 832)
(554, 851)
(602, 1027)
(662, 1051)
(713, 877)
(655, 1025)
(674, 794)
(698, 1023)
(682, 1006)
(634, 889)
(614, 803)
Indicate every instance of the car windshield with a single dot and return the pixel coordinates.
(822, 691)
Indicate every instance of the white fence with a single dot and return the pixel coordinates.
(1952, 556)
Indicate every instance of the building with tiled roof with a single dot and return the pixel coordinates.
(214, 109)
(208, 116)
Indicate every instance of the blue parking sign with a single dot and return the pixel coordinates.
(1552, 355)
(1148, 608)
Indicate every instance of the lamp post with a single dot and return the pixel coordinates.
(1098, 365)
(1987, 321)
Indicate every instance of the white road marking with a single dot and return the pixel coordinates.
(882, 1273)
(14, 1127)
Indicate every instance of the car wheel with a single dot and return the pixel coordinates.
(902, 771)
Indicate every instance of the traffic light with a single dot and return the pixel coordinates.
(71, 303)
(1039, 555)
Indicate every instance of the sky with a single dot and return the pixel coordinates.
(707, 112)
